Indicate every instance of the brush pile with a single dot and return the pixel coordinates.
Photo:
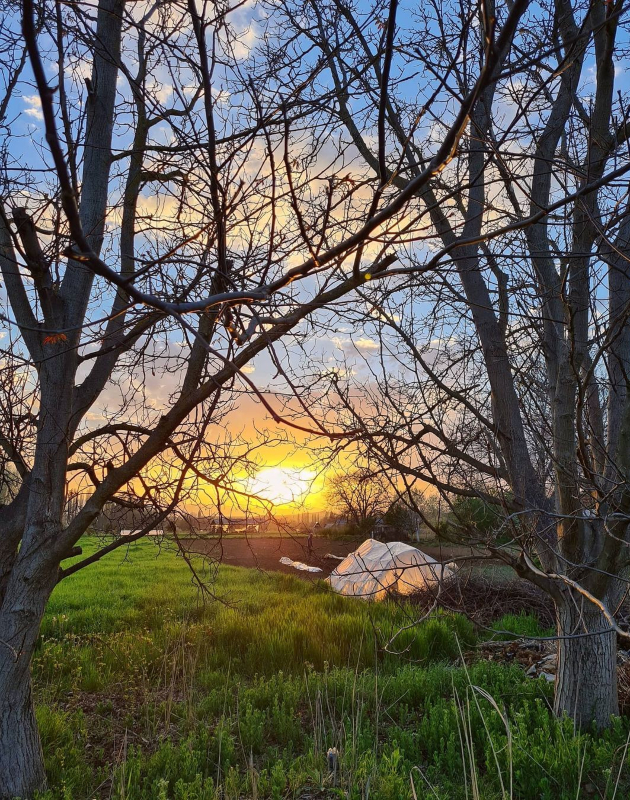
(484, 600)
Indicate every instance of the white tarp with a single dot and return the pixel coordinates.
(288, 562)
(376, 568)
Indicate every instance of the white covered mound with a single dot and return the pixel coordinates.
(376, 568)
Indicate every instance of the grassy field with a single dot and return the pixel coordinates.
(145, 691)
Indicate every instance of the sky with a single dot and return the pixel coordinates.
(287, 474)
(286, 468)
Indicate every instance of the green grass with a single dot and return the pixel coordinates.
(144, 691)
(522, 625)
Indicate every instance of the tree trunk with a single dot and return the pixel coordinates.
(21, 758)
(586, 678)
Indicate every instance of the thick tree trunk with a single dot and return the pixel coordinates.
(30, 581)
(21, 757)
(21, 760)
(586, 679)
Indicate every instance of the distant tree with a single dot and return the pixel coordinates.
(360, 496)
(401, 521)
(476, 516)
(421, 511)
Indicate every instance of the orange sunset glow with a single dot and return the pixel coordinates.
(287, 487)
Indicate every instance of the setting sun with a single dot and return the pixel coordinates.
(282, 485)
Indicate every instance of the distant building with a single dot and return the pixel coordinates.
(382, 530)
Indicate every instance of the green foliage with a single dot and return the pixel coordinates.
(400, 519)
(472, 512)
(147, 693)
(64, 739)
(520, 626)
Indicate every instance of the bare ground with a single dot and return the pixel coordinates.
(265, 552)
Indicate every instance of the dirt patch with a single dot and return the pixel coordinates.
(538, 659)
(532, 655)
(265, 552)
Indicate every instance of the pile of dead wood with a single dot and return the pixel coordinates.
(484, 600)
(539, 659)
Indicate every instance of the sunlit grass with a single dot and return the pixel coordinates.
(147, 692)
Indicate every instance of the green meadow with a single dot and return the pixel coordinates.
(148, 688)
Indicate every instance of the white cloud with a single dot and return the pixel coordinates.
(33, 106)
(221, 95)
(244, 39)
(364, 343)
(160, 91)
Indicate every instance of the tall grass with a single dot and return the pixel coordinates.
(144, 692)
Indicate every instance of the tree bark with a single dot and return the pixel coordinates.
(21, 758)
(28, 588)
(586, 677)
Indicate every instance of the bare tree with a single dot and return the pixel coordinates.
(359, 495)
(175, 220)
(500, 364)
